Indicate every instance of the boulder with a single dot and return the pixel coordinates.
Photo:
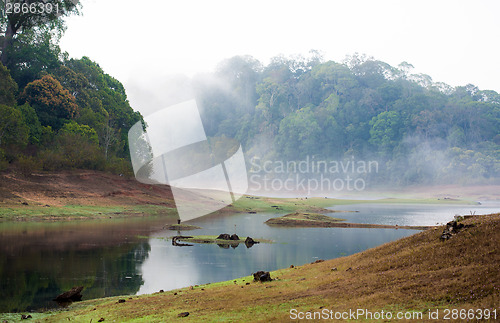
(262, 276)
(72, 295)
(452, 227)
(224, 236)
(249, 242)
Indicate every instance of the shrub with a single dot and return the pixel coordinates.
(119, 166)
(27, 165)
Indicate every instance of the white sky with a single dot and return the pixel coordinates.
(142, 42)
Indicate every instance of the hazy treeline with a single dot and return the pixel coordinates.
(58, 113)
(419, 131)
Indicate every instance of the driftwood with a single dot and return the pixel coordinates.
(72, 295)
(177, 244)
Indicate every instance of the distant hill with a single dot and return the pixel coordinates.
(294, 108)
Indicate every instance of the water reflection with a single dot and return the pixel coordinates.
(38, 261)
(170, 267)
(406, 214)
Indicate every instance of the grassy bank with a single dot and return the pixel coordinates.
(80, 212)
(319, 205)
(80, 194)
(418, 274)
(247, 204)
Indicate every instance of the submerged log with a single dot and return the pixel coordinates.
(178, 244)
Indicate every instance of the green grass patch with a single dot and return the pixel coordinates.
(72, 212)
(299, 219)
(183, 227)
(318, 205)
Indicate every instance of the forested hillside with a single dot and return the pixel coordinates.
(61, 113)
(364, 109)
(55, 112)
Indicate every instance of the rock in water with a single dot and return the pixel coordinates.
(249, 242)
(72, 295)
(224, 236)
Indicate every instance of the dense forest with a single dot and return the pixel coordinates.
(60, 113)
(363, 109)
(55, 112)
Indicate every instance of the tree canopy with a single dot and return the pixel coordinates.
(64, 113)
(419, 130)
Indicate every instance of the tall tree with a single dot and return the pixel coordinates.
(21, 16)
(52, 102)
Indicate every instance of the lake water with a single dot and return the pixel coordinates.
(126, 257)
(409, 214)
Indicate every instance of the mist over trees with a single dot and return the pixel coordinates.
(61, 113)
(419, 131)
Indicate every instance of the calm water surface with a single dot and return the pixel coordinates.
(119, 257)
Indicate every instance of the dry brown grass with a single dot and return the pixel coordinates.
(417, 273)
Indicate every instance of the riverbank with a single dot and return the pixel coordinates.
(81, 195)
(417, 275)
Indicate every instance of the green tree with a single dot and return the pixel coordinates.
(17, 22)
(386, 130)
(85, 132)
(104, 103)
(33, 54)
(298, 135)
(8, 87)
(13, 130)
(53, 103)
(34, 126)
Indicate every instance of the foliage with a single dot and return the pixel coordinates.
(72, 114)
(34, 126)
(52, 102)
(27, 165)
(8, 87)
(33, 54)
(75, 115)
(362, 108)
(13, 131)
(18, 23)
(85, 132)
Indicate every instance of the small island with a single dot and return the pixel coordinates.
(299, 219)
(223, 239)
(182, 227)
(305, 220)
